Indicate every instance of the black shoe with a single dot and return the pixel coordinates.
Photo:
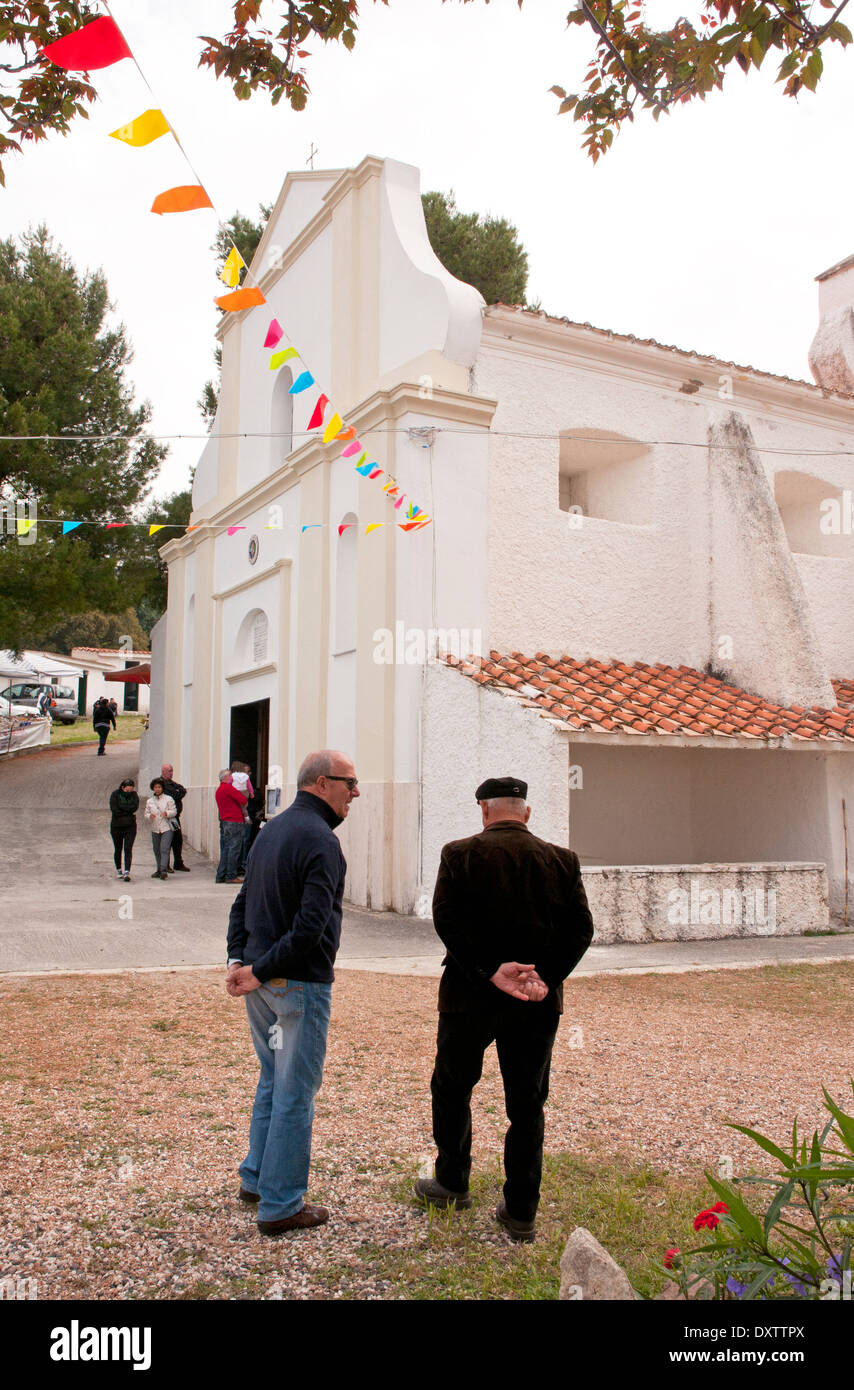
(157, 874)
(246, 1196)
(181, 869)
(432, 1192)
(170, 871)
(517, 1230)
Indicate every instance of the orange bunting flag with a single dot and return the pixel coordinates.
(412, 525)
(317, 417)
(240, 299)
(184, 198)
(374, 526)
(332, 428)
(349, 433)
(147, 127)
(96, 45)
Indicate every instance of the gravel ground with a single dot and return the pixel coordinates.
(126, 1102)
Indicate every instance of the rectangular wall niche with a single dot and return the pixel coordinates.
(605, 475)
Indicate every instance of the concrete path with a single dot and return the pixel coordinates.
(62, 908)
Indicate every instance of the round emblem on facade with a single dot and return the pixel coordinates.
(253, 550)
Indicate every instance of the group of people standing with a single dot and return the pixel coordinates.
(237, 825)
(162, 814)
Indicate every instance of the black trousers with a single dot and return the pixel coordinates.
(177, 847)
(524, 1036)
(123, 839)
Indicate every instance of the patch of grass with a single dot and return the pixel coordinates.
(128, 726)
(634, 1212)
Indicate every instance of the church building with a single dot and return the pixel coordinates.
(632, 584)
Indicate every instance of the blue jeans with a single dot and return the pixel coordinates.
(289, 1022)
(230, 842)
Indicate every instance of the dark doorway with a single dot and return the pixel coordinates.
(131, 705)
(81, 692)
(249, 743)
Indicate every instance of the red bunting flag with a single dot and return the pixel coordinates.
(112, 524)
(96, 45)
(344, 525)
(376, 473)
(275, 333)
(240, 299)
(317, 417)
(184, 198)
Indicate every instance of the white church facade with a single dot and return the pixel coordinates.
(650, 553)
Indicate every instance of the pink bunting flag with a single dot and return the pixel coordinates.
(399, 503)
(232, 529)
(317, 417)
(274, 334)
(96, 45)
(354, 448)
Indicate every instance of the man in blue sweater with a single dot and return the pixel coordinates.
(283, 936)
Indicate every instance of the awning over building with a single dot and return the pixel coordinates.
(134, 675)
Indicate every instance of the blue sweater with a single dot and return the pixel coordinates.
(286, 919)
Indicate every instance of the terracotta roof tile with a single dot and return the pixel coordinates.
(643, 699)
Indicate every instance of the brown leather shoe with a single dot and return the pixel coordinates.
(517, 1230)
(246, 1196)
(301, 1220)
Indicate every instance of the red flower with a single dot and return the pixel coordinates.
(709, 1216)
(670, 1256)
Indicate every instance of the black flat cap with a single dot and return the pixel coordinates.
(501, 786)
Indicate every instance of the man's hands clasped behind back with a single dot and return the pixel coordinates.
(520, 982)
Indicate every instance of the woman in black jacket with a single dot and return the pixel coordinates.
(123, 807)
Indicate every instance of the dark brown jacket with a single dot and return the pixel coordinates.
(504, 895)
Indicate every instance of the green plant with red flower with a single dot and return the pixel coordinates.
(800, 1245)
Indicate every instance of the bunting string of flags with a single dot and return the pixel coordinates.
(24, 525)
(99, 43)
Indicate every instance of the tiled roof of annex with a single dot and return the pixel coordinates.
(688, 353)
(621, 698)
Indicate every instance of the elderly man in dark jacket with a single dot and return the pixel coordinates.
(512, 913)
(177, 793)
(283, 936)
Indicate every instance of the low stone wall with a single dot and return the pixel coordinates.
(693, 902)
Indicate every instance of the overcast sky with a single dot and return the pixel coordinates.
(705, 230)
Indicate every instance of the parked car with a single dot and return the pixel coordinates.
(64, 706)
(11, 709)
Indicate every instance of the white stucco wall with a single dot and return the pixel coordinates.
(470, 733)
(702, 567)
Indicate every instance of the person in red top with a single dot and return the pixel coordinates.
(230, 803)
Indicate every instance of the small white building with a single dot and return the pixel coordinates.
(131, 697)
(651, 549)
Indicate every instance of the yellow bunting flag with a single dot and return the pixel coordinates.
(240, 299)
(230, 273)
(332, 428)
(374, 526)
(147, 127)
(152, 529)
(24, 527)
(284, 356)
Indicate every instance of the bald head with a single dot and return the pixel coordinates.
(328, 774)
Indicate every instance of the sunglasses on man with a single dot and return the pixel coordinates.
(352, 782)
